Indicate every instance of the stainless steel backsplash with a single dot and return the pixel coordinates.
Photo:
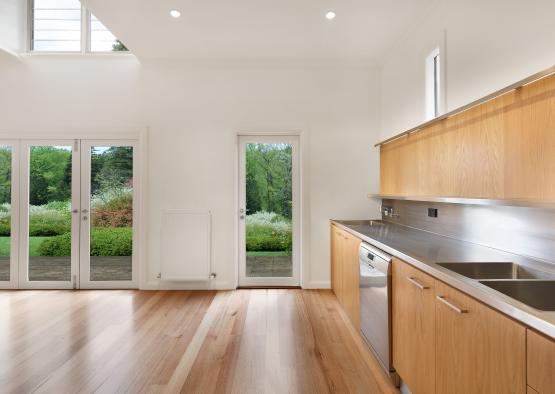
(521, 230)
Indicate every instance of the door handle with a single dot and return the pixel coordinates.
(417, 284)
(450, 305)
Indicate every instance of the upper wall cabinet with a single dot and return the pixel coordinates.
(503, 149)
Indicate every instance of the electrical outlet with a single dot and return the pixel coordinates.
(432, 212)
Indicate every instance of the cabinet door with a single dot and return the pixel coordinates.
(478, 350)
(350, 277)
(337, 240)
(541, 363)
(413, 319)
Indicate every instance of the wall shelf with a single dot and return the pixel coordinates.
(469, 201)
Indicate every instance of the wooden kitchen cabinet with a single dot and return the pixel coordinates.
(540, 363)
(345, 272)
(503, 149)
(413, 316)
(337, 241)
(478, 350)
(444, 341)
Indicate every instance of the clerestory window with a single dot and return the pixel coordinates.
(67, 26)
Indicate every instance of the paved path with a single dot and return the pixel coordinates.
(269, 266)
(59, 268)
(119, 268)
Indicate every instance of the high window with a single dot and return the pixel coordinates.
(67, 26)
(433, 85)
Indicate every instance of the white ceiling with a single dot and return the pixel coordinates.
(259, 29)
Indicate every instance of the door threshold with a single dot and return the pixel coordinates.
(268, 287)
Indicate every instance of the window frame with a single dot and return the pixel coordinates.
(435, 84)
(85, 44)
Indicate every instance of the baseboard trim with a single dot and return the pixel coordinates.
(318, 284)
(163, 285)
(225, 285)
(269, 287)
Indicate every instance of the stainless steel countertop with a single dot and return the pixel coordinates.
(423, 250)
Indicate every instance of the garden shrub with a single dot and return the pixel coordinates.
(51, 219)
(104, 242)
(5, 229)
(48, 229)
(60, 245)
(115, 212)
(47, 220)
(112, 241)
(59, 206)
(5, 220)
(268, 231)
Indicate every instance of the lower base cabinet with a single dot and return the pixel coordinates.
(345, 272)
(541, 363)
(413, 318)
(453, 343)
(478, 350)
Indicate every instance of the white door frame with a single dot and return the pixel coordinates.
(14, 231)
(84, 260)
(294, 141)
(19, 248)
(24, 282)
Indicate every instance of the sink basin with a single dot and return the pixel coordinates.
(539, 294)
(497, 271)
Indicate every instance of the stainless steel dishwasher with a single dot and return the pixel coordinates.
(375, 304)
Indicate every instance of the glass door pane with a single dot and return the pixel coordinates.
(49, 213)
(5, 212)
(268, 211)
(269, 203)
(108, 195)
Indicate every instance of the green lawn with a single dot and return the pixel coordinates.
(34, 243)
(271, 254)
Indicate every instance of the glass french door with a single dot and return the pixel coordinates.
(49, 197)
(108, 214)
(269, 227)
(76, 215)
(9, 213)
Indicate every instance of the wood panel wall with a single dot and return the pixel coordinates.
(504, 148)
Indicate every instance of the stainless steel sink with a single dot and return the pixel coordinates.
(539, 294)
(497, 271)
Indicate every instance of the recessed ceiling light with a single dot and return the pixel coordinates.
(175, 13)
(330, 15)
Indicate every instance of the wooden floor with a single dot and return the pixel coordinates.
(244, 341)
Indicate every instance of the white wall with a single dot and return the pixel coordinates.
(13, 20)
(489, 45)
(193, 113)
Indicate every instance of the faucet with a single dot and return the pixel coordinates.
(389, 212)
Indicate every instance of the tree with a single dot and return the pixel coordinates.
(5, 175)
(119, 46)
(48, 169)
(269, 178)
(112, 168)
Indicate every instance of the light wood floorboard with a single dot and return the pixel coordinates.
(244, 341)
